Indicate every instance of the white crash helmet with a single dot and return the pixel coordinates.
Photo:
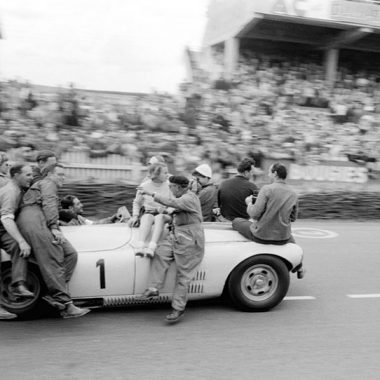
(204, 170)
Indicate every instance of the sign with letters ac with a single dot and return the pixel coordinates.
(318, 9)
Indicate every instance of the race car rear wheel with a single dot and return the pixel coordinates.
(258, 283)
(21, 307)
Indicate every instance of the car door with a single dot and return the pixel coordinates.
(142, 277)
(106, 263)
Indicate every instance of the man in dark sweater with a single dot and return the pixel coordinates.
(233, 191)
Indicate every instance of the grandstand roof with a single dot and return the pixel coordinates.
(320, 24)
(319, 34)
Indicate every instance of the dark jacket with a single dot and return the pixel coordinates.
(232, 194)
(208, 196)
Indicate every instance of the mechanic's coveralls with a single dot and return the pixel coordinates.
(184, 244)
(10, 199)
(39, 213)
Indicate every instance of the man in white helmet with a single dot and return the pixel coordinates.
(207, 192)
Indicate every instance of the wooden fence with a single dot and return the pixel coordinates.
(112, 168)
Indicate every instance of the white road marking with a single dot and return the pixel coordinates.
(313, 233)
(301, 298)
(296, 298)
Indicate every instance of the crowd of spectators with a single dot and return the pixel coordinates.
(273, 105)
(35, 118)
(283, 107)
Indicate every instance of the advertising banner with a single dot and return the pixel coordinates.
(329, 172)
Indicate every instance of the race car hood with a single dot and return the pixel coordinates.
(97, 237)
(102, 237)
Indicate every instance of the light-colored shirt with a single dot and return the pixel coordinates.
(146, 200)
(10, 199)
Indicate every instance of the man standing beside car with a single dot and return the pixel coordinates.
(184, 244)
(11, 239)
(275, 208)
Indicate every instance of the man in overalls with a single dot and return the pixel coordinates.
(184, 244)
(11, 239)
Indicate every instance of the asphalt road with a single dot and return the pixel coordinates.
(327, 328)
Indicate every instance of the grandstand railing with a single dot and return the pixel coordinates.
(83, 157)
(113, 167)
(130, 173)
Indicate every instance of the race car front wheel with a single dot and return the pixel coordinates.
(258, 283)
(21, 307)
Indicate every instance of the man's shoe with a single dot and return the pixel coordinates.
(149, 294)
(174, 316)
(72, 311)
(21, 291)
(52, 302)
(4, 314)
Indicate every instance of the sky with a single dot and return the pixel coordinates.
(113, 45)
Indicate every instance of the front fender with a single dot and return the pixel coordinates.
(221, 259)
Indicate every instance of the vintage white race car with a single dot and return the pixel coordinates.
(254, 276)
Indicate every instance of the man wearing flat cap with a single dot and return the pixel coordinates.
(44, 159)
(184, 244)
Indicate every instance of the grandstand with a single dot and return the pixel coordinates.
(336, 31)
(297, 79)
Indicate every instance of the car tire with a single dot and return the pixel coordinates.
(258, 283)
(22, 307)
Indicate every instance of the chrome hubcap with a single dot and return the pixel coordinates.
(259, 282)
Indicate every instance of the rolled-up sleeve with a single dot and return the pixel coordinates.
(255, 211)
(49, 203)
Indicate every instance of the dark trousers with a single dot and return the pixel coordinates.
(19, 264)
(243, 226)
(51, 262)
